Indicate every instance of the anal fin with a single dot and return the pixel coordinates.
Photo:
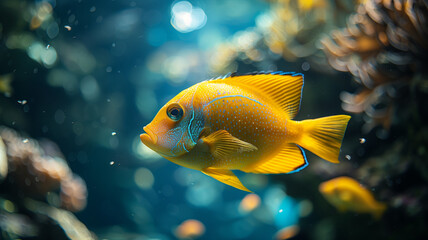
(290, 159)
(225, 176)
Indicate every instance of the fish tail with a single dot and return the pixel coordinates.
(323, 136)
(378, 211)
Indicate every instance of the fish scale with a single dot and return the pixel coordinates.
(247, 118)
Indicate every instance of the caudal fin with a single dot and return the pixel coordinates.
(379, 210)
(323, 136)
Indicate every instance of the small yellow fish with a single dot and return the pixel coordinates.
(242, 123)
(5, 87)
(346, 194)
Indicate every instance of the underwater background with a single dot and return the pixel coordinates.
(79, 79)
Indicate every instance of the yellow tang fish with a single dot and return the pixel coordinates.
(242, 123)
(346, 194)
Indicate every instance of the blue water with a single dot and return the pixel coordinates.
(93, 73)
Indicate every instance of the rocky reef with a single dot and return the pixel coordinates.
(39, 191)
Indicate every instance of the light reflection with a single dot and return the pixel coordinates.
(203, 193)
(19, 41)
(285, 209)
(176, 68)
(38, 52)
(177, 64)
(287, 232)
(190, 229)
(89, 88)
(186, 18)
(42, 13)
(77, 58)
(52, 30)
(143, 152)
(249, 203)
(62, 78)
(144, 178)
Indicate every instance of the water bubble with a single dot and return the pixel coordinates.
(111, 163)
(92, 9)
(113, 133)
(25, 140)
(362, 140)
(306, 66)
(67, 27)
(348, 157)
(280, 210)
(48, 46)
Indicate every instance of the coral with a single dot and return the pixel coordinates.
(32, 173)
(290, 29)
(73, 193)
(36, 174)
(385, 48)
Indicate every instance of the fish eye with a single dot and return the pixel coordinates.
(175, 112)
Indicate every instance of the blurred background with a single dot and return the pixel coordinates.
(80, 78)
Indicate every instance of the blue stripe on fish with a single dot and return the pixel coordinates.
(190, 124)
(229, 96)
(235, 74)
(193, 116)
(304, 165)
(185, 148)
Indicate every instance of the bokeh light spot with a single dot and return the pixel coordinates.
(190, 229)
(144, 178)
(186, 18)
(249, 203)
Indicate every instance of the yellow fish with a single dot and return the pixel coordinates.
(346, 194)
(5, 87)
(242, 123)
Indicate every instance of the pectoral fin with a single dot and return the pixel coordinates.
(225, 176)
(221, 144)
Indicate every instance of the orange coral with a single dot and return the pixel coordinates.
(384, 47)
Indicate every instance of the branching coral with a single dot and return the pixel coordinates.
(384, 47)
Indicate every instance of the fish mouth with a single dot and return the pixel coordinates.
(149, 137)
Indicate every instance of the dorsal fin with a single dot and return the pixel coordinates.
(283, 88)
